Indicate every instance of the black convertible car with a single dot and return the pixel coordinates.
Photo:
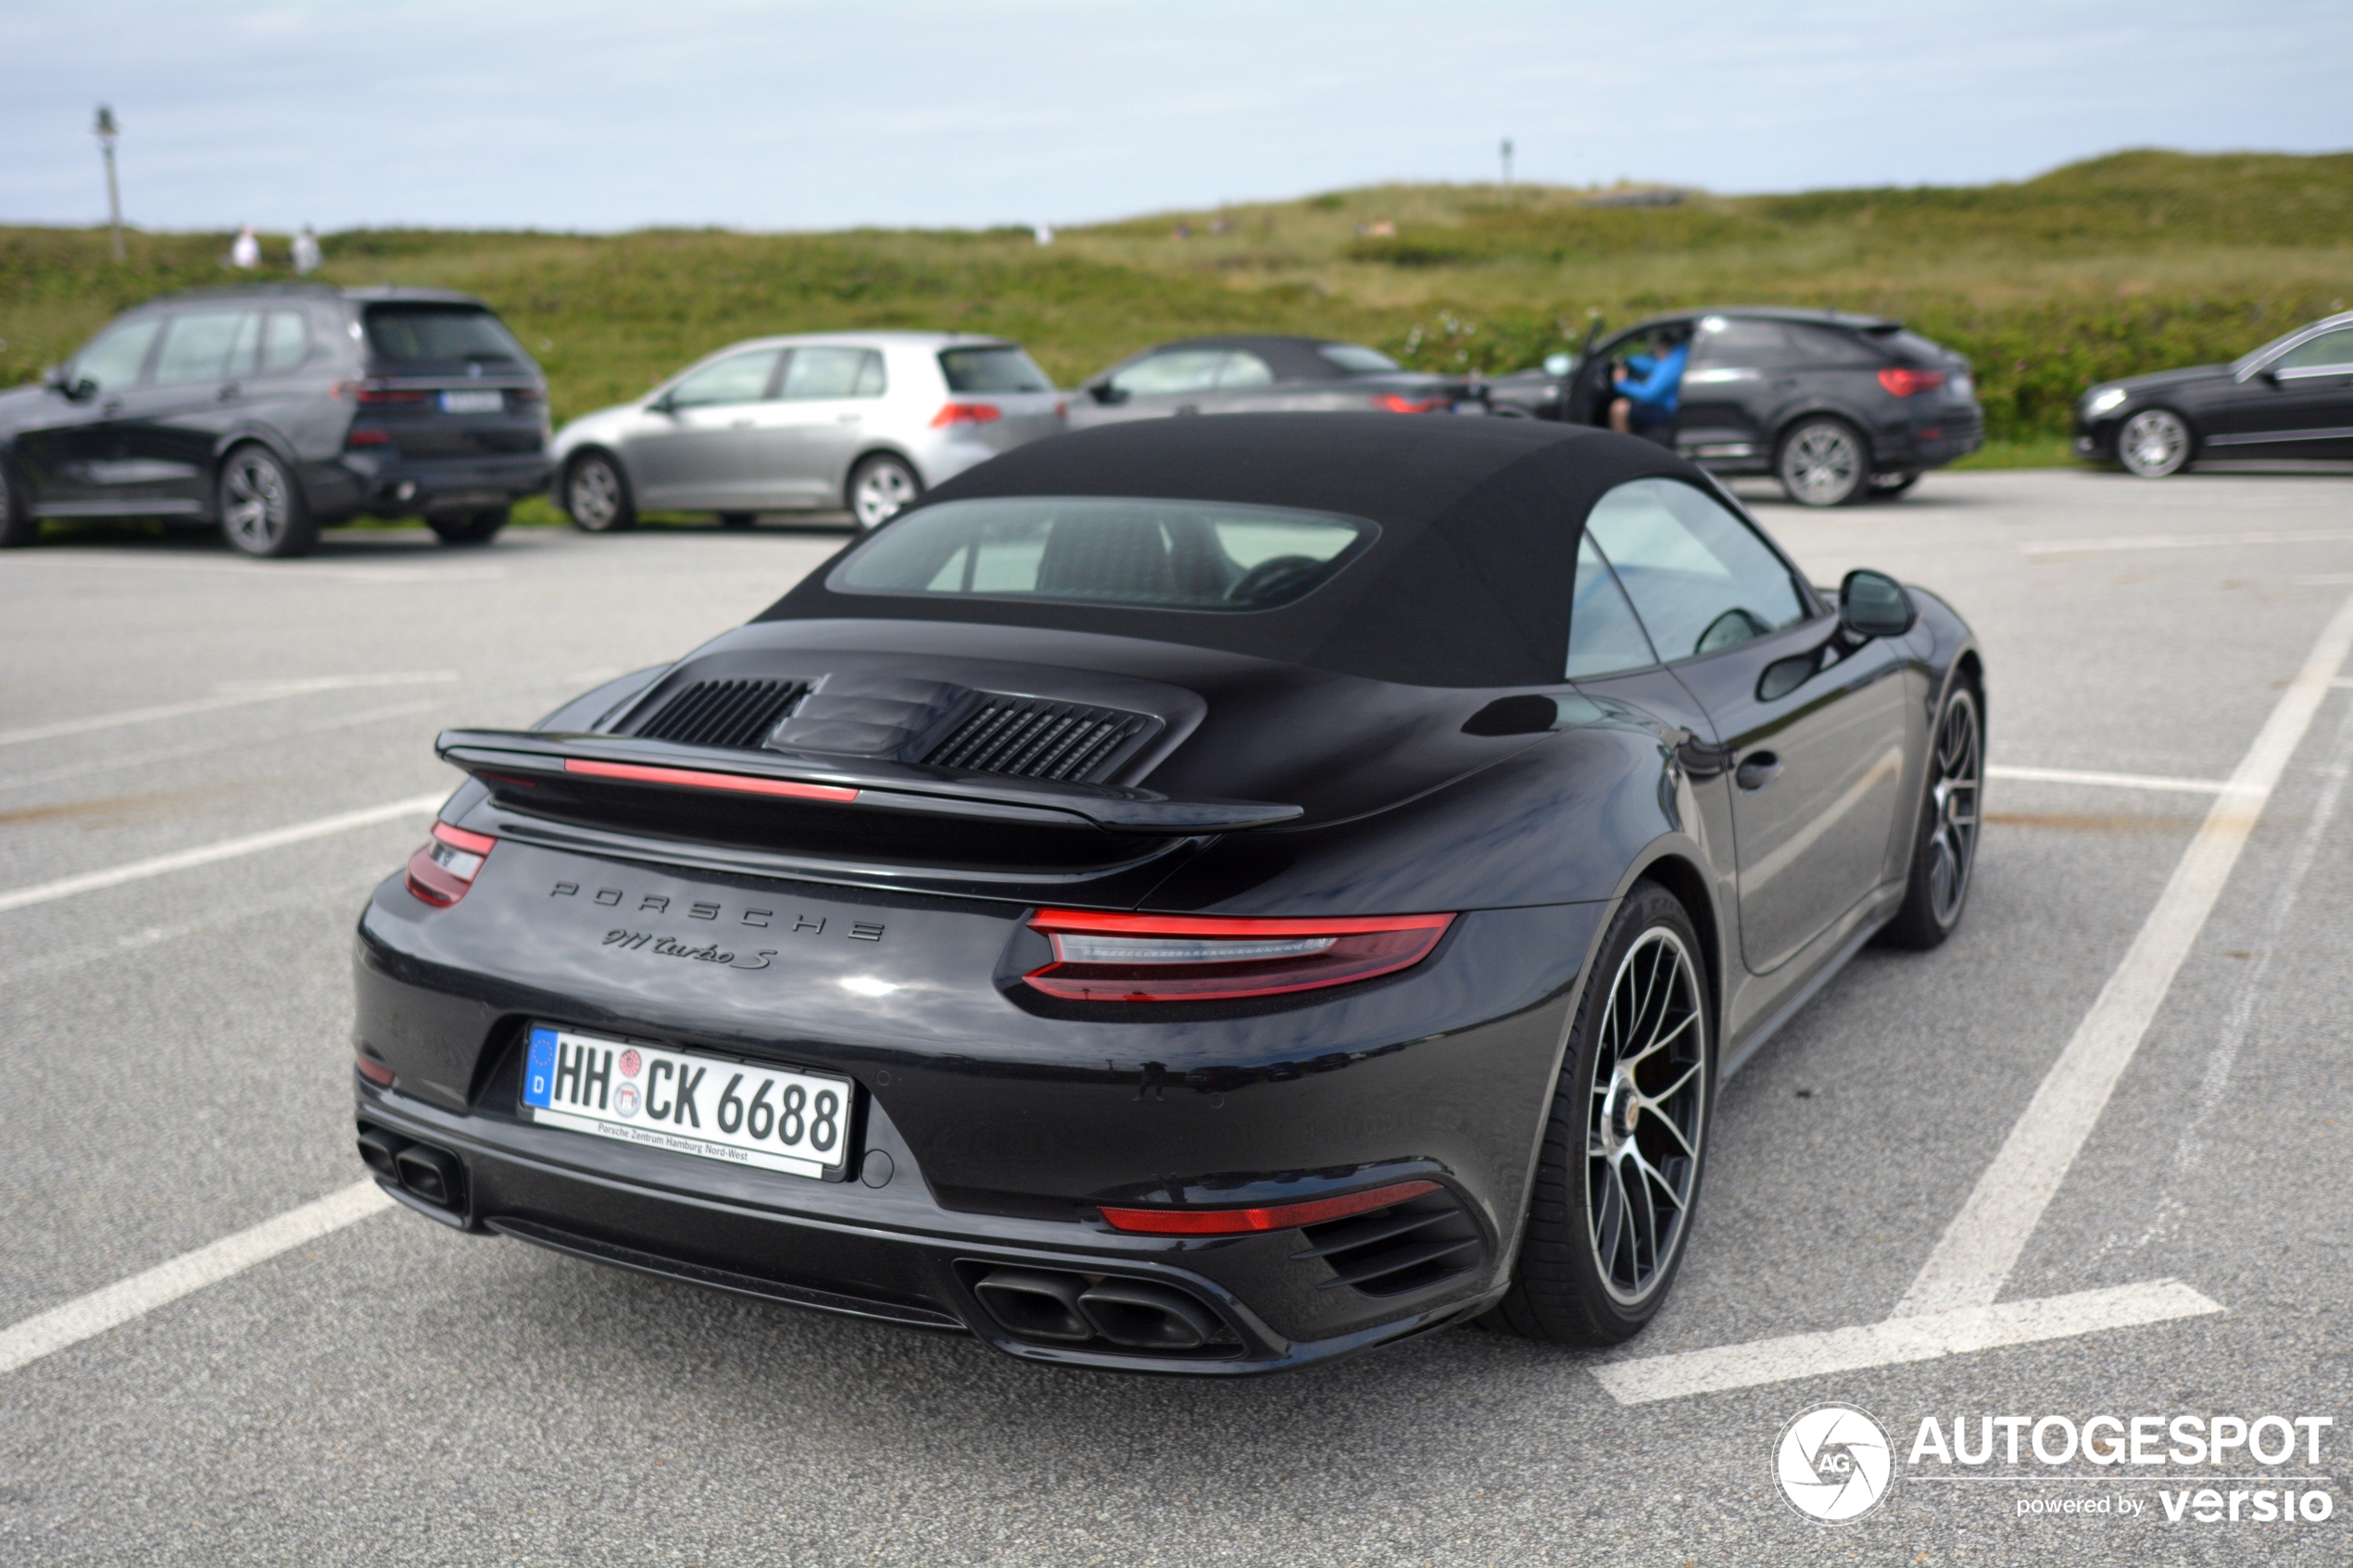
(1198, 896)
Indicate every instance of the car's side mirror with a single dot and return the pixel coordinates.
(1872, 604)
(2267, 376)
(1559, 364)
(661, 405)
(1105, 392)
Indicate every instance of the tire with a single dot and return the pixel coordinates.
(1887, 486)
(596, 494)
(19, 527)
(1823, 462)
(470, 528)
(1945, 847)
(880, 488)
(737, 519)
(261, 507)
(2155, 442)
(1583, 1276)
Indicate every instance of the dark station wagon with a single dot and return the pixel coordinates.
(277, 408)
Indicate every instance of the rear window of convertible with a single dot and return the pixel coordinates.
(1174, 554)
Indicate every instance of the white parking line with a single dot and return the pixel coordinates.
(226, 849)
(2108, 781)
(87, 1316)
(1974, 1261)
(2183, 541)
(1950, 1308)
(274, 691)
(1925, 1337)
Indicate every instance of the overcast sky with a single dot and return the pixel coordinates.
(575, 114)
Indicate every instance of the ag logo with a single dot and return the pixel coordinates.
(1834, 1463)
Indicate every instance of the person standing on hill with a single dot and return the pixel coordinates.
(305, 251)
(245, 255)
(1649, 390)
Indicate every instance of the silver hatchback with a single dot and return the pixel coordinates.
(865, 422)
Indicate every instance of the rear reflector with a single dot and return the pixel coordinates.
(375, 1072)
(1245, 1222)
(690, 778)
(442, 870)
(371, 391)
(966, 414)
(1904, 383)
(367, 438)
(1398, 403)
(1125, 958)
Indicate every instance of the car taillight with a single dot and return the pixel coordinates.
(966, 414)
(1398, 403)
(446, 866)
(367, 438)
(376, 392)
(375, 1072)
(1124, 958)
(1901, 382)
(1246, 1222)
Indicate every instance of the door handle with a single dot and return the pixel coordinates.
(1761, 769)
(739, 424)
(111, 405)
(229, 391)
(850, 418)
(1189, 407)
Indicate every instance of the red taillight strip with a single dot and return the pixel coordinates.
(1903, 383)
(471, 843)
(1240, 927)
(1244, 1222)
(1397, 403)
(689, 778)
(966, 414)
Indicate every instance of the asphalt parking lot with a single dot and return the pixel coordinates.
(174, 1016)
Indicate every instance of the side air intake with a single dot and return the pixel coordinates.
(1409, 1246)
(733, 714)
(1032, 738)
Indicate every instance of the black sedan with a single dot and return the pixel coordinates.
(2293, 397)
(1265, 373)
(1201, 895)
(1836, 406)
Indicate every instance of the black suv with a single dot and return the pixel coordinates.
(277, 408)
(1836, 406)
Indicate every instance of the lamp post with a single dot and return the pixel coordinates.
(1507, 163)
(106, 131)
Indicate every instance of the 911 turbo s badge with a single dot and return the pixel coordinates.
(670, 947)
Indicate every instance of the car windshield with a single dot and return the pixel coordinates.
(420, 334)
(1358, 360)
(999, 367)
(1175, 555)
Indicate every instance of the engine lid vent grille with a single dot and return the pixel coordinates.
(1033, 738)
(733, 714)
(1408, 1245)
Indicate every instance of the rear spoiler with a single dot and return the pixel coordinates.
(521, 754)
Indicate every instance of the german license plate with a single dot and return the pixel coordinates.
(473, 401)
(770, 1117)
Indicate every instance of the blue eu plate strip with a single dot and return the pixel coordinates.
(540, 1072)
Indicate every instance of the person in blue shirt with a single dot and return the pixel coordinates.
(1649, 390)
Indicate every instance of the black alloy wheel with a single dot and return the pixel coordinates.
(18, 525)
(469, 528)
(1626, 1139)
(1945, 852)
(261, 507)
(597, 495)
(880, 489)
(2155, 442)
(1823, 462)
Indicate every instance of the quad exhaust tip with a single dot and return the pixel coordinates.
(1066, 1309)
(421, 1170)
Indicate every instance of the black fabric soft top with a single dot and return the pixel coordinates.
(1469, 584)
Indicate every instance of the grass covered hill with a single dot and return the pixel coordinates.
(2132, 262)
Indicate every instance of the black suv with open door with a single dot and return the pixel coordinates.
(277, 408)
(1836, 406)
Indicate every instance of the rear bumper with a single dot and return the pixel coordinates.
(395, 486)
(1002, 1120)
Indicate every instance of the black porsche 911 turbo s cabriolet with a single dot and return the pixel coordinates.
(1195, 896)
